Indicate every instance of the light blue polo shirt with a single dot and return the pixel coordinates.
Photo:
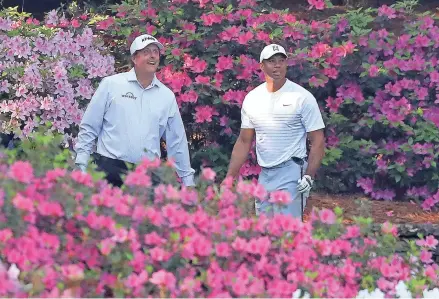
(128, 122)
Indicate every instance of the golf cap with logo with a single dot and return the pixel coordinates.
(271, 50)
(142, 41)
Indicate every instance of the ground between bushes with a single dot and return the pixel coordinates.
(397, 212)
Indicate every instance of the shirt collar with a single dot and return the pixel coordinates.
(131, 76)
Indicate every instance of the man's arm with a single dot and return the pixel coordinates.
(316, 153)
(91, 125)
(177, 146)
(240, 151)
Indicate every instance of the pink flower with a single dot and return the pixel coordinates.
(259, 246)
(196, 65)
(153, 239)
(235, 96)
(23, 203)
(75, 23)
(243, 39)
(223, 249)
(239, 244)
(280, 197)
(204, 114)
(163, 278)
(374, 71)
(430, 272)
(319, 50)
(210, 19)
(138, 179)
(229, 33)
(120, 235)
(54, 174)
(5, 235)
(22, 172)
(388, 228)
(72, 272)
(429, 242)
(82, 178)
(208, 174)
(50, 209)
(366, 184)
(224, 63)
(136, 280)
(159, 254)
(105, 24)
(387, 11)
(202, 80)
(318, 4)
(426, 257)
(203, 247)
(327, 216)
(188, 97)
(105, 246)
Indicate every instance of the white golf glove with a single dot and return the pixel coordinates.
(305, 184)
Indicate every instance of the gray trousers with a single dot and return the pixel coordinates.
(282, 177)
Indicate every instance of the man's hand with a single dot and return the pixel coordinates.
(305, 184)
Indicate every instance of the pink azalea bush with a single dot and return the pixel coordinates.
(49, 71)
(377, 89)
(65, 234)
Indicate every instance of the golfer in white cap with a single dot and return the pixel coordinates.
(282, 115)
(128, 115)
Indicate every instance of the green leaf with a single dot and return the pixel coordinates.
(338, 211)
(129, 255)
(175, 236)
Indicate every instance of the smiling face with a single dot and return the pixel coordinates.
(275, 67)
(147, 60)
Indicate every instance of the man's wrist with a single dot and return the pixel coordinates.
(312, 176)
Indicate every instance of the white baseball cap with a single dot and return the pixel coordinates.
(271, 50)
(142, 41)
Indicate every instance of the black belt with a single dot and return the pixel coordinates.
(98, 158)
(299, 161)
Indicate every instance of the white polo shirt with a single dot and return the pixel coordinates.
(281, 121)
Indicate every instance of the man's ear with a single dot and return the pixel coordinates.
(132, 58)
(261, 65)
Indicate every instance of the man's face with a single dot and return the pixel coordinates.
(275, 67)
(147, 59)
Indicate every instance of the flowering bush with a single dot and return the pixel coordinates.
(377, 89)
(65, 234)
(48, 71)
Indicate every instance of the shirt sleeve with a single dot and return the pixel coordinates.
(177, 145)
(246, 122)
(311, 116)
(91, 124)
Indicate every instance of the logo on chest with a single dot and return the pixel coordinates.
(129, 95)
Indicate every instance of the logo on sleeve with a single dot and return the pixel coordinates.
(129, 95)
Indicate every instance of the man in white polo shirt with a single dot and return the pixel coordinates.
(128, 115)
(282, 115)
